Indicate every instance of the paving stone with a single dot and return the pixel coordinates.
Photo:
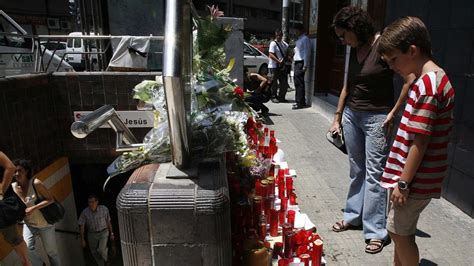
(322, 185)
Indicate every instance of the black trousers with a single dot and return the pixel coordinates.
(256, 102)
(300, 92)
(279, 83)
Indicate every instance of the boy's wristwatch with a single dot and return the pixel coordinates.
(403, 185)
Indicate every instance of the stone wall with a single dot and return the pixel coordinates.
(27, 119)
(36, 113)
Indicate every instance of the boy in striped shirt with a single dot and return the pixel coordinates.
(417, 162)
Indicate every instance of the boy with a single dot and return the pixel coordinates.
(417, 162)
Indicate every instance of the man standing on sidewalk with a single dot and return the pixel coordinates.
(277, 68)
(301, 59)
(99, 227)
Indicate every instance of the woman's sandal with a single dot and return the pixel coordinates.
(341, 226)
(377, 243)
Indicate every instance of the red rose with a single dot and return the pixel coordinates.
(239, 92)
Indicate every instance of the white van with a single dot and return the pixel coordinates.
(75, 46)
(16, 55)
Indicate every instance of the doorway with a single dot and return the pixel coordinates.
(330, 54)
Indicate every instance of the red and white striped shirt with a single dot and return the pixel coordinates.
(429, 111)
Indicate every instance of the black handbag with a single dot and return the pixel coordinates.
(12, 210)
(52, 213)
(337, 140)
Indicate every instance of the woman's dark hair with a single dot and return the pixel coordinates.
(25, 164)
(358, 21)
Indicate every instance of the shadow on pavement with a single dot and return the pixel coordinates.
(425, 262)
(420, 233)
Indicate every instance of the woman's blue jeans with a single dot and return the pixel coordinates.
(48, 237)
(367, 149)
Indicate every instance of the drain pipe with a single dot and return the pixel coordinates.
(177, 59)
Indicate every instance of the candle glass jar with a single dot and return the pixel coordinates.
(305, 258)
(289, 244)
(289, 185)
(273, 222)
(291, 217)
(277, 250)
(292, 198)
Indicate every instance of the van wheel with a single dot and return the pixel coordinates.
(263, 70)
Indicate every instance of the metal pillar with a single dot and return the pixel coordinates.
(284, 19)
(177, 56)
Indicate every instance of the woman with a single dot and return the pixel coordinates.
(259, 87)
(9, 226)
(367, 112)
(31, 189)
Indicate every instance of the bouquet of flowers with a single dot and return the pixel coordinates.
(219, 114)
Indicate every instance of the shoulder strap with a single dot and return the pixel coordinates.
(34, 187)
(281, 51)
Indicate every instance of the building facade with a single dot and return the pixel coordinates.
(262, 17)
(42, 16)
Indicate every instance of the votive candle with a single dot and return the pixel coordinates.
(317, 253)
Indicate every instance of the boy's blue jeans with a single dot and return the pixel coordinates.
(367, 149)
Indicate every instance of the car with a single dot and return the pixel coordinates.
(255, 60)
(17, 52)
(59, 47)
(75, 49)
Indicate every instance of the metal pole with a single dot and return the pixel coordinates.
(284, 19)
(176, 54)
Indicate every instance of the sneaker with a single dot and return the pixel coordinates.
(275, 100)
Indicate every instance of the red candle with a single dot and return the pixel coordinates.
(292, 199)
(271, 185)
(289, 244)
(271, 171)
(285, 227)
(281, 173)
(264, 188)
(269, 204)
(289, 185)
(305, 258)
(257, 187)
(277, 250)
(273, 222)
(284, 203)
(283, 262)
(317, 253)
(291, 217)
(257, 205)
(262, 227)
(287, 171)
(281, 216)
(281, 189)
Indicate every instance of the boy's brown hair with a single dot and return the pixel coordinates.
(404, 32)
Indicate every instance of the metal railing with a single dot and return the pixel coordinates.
(102, 50)
(106, 114)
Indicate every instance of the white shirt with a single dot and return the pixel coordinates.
(303, 49)
(274, 49)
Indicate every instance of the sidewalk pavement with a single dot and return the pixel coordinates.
(445, 234)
